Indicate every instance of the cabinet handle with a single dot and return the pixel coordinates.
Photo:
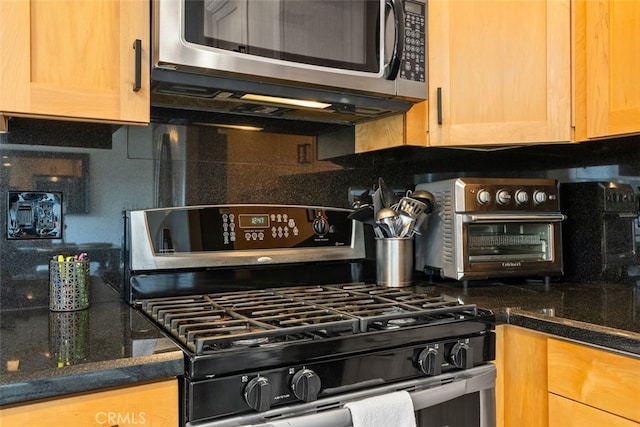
(439, 105)
(137, 47)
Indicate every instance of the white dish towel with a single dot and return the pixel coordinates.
(387, 410)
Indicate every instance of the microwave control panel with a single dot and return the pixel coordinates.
(414, 57)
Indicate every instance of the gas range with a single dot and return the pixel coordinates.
(258, 334)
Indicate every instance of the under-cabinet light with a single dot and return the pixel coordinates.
(286, 101)
(227, 126)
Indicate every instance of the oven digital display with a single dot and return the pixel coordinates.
(253, 221)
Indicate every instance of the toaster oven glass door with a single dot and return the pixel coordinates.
(526, 242)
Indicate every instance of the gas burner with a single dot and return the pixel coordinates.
(224, 321)
(394, 321)
(249, 342)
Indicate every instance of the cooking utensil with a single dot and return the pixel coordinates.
(365, 215)
(362, 199)
(377, 201)
(387, 194)
(387, 220)
(425, 197)
(409, 211)
(412, 207)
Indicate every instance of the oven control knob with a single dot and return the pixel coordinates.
(430, 361)
(539, 197)
(484, 197)
(521, 197)
(257, 394)
(461, 356)
(305, 385)
(321, 225)
(503, 197)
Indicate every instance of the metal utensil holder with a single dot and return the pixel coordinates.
(394, 261)
(68, 285)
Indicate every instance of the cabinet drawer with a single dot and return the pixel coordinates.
(568, 413)
(597, 378)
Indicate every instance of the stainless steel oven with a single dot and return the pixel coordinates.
(466, 398)
(356, 58)
(279, 326)
(486, 227)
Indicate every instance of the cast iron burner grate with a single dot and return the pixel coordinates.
(223, 321)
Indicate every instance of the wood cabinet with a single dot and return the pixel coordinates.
(154, 404)
(409, 129)
(606, 68)
(595, 378)
(546, 381)
(499, 72)
(75, 60)
(521, 386)
(524, 72)
(569, 413)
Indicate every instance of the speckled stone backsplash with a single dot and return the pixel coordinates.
(102, 170)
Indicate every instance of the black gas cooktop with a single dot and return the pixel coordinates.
(283, 325)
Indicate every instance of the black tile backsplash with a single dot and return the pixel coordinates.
(160, 165)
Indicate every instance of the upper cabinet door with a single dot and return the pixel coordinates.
(607, 70)
(499, 72)
(75, 59)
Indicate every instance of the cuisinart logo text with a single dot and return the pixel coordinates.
(121, 419)
(512, 264)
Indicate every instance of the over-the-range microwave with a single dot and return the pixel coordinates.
(355, 58)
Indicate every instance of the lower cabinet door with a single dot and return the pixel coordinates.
(154, 404)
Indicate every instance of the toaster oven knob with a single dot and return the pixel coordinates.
(461, 356)
(503, 197)
(430, 361)
(305, 385)
(257, 394)
(521, 197)
(539, 197)
(484, 197)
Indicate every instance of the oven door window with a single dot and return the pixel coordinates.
(509, 242)
(462, 411)
(330, 33)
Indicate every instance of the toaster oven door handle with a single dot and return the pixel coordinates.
(493, 218)
(627, 215)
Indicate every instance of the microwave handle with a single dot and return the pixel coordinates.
(391, 69)
(485, 218)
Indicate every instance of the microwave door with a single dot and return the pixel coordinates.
(328, 43)
(333, 34)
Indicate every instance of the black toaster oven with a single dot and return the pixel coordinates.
(598, 235)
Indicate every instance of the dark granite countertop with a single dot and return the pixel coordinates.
(605, 315)
(46, 353)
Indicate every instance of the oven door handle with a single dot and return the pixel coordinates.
(493, 218)
(482, 380)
